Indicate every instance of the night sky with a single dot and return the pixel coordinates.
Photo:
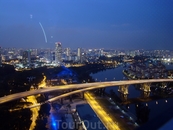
(115, 24)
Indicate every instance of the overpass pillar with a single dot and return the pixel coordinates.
(123, 90)
(82, 95)
(145, 89)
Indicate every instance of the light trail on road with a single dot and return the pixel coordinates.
(33, 100)
(34, 111)
(43, 83)
(101, 113)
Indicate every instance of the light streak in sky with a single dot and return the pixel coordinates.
(43, 32)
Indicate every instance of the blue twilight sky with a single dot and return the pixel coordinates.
(116, 24)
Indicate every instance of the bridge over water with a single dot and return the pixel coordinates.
(77, 88)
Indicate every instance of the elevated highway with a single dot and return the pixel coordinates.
(122, 87)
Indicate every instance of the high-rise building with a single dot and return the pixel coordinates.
(26, 57)
(58, 52)
(47, 55)
(68, 51)
(52, 56)
(79, 54)
(34, 52)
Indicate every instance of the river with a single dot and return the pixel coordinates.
(156, 107)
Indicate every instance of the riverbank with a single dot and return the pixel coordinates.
(129, 75)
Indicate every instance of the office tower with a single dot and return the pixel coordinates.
(34, 52)
(26, 57)
(58, 52)
(101, 53)
(47, 55)
(52, 56)
(79, 54)
(68, 51)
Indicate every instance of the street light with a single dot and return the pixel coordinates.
(156, 102)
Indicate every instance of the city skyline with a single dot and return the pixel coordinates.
(88, 24)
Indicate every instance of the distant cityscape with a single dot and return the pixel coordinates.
(34, 58)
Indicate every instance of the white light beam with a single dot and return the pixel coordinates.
(43, 32)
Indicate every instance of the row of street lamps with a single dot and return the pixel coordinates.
(96, 80)
(105, 79)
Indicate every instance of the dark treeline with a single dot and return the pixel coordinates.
(19, 120)
(12, 81)
(84, 72)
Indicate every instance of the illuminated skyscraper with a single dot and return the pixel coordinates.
(79, 54)
(68, 51)
(58, 52)
(101, 53)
